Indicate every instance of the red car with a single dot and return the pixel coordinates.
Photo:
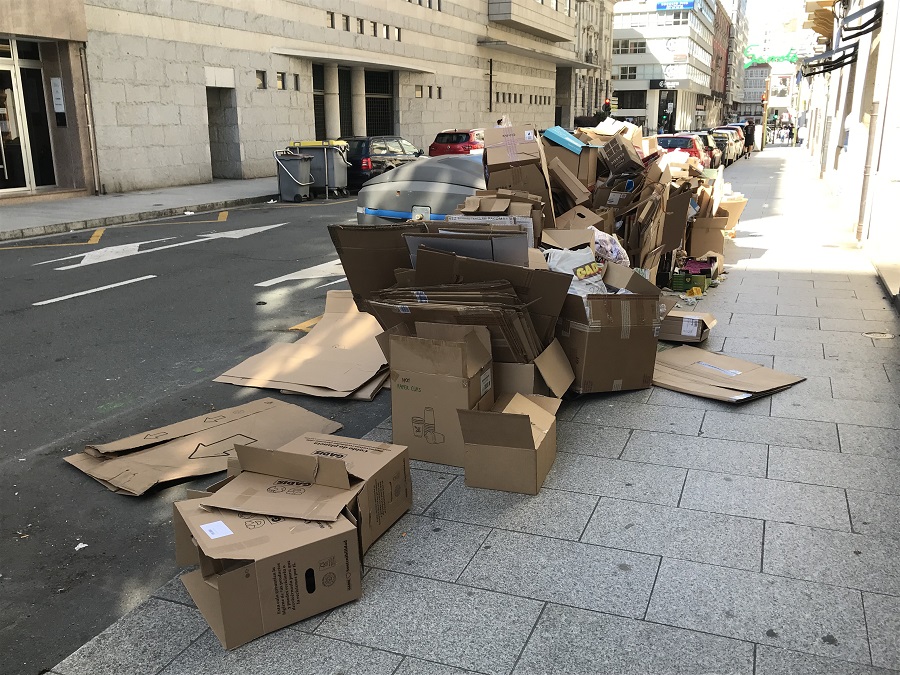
(457, 142)
(685, 142)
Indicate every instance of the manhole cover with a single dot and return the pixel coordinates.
(879, 336)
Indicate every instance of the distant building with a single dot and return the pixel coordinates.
(754, 87)
(594, 46)
(737, 43)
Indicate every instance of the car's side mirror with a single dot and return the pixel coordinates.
(419, 153)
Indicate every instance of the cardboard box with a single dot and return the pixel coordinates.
(582, 164)
(512, 447)
(507, 247)
(569, 182)
(681, 326)
(579, 218)
(675, 220)
(620, 156)
(443, 369)
(550, 374)
(259, 574)
(194, 447)
(707, 235)
(734, 208)
(511, 146)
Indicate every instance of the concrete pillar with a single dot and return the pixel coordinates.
(358, 99)
(332, 102)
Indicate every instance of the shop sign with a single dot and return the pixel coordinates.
(668, 5)
(667, 84)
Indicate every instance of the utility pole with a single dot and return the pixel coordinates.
(765, 117)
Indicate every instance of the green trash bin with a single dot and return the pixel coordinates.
(294, 179)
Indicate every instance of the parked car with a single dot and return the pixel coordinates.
(371, 156)
(712, 150)
(429, 189)
(734, 127)
(689, 143)
(457, 142)
(728, 143)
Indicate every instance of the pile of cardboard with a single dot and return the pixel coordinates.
(282, 538)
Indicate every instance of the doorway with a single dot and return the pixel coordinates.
(224, 134)
(12, 144)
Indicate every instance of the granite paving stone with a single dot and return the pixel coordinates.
(427, 546)
(850, 284)
(411, 666)
(728, 330)
(676, 399)
(812, 276)
(858, 389)
(386, 423)
(143, 641)
(854, 303)
(714, 343)
(428, 619)
(820, 312)
(715, 306)
(569, 641)
(883, 617)
(691, 452)
(282, 653)
(773, 347)
(435, 468)
(640, 416)
(814, 387)
(790, 294)
(616, 478)
(865, 562)
(873, 441)
(866, 413)
(427, 485)
(552, 513)
(774, 321)
(860, 354)
(174, 591)
(590, 439)
(380, 435)
(568, 410)
(771, 430)
(854, 326)
(874, 513)
(799, 615)
(766, 499)
(772, 661)
(880, 314)
(700, 536)
(860, 472)
(565, 572)
(826, 337)
(830, 367)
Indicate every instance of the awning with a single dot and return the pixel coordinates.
(367, 59)
(504, 46)
(824, 63)
(869, 19)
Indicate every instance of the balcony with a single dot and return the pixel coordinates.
(533, 17)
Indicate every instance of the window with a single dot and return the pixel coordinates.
(5, 49)
(418, 91)
(361, 26)
(394, 147)
(386, 32)
(498, 96)
(631, 100)
(378, 148)
(408, 147)
(374, 29)
(637, 47)
(281, 81)
(430, 91)
(624, 73)
(439, 93)
(530, 99)
(296, 82)
(346, 22)
(329, 19)
(620, 47)
(261, 79)
(397, 34)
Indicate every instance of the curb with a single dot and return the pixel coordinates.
(60, 228)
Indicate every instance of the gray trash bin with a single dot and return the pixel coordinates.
(329, 165)
(294, 179)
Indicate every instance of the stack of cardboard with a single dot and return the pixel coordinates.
(283, 538)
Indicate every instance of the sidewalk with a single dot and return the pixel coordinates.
(52, 217)
(674, 534)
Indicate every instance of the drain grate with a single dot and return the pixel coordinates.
(880, 336)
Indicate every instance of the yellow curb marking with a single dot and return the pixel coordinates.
(95, 238)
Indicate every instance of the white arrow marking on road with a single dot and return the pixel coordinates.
(332, 268)
(332, 283)
(127, 250)
(93, 290)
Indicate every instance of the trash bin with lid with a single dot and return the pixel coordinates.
(329, 164)
(294, 179)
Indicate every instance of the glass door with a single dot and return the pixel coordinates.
(13, 146)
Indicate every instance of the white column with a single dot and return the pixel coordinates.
(358, 98)
(332, 102)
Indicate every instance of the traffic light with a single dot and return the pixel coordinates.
(607, 106)
(763, 99)
(665, 119)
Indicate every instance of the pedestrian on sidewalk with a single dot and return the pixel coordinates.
(801, 135)
(790, 135)
(749, 138)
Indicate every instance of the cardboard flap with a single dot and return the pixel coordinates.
(445, 331)
(384, 339)
(620, 276)
(501, 429)
(540, 419)
(555, 368)
(463, 358)
(286, 464)
(567, 239)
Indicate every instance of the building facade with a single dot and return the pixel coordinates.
(662, 62)
(756, 79)
(716, 108)
(737, 43)
(139, 94)
(594, 44)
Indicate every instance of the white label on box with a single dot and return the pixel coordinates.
(486, 381)
(730, 373)
(529, 134)
(614, 198)
(689, 327)
(216, 529)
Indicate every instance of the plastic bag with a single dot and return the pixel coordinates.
(567, 261)
(607, 247)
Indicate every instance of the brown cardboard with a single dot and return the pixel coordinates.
(257, 575)
(569, 182)
(512, 447)
(550, 374)
(198, 446)
(507, 247)
(511, 146)
(430, 380)
(675, 221)
(717, 376)
(528, 178)
(734, 208)
(567, 239)
(618, 276)
(536, 260)
(681, 326)
(337, 357)
(370, 253)
(707, 235)
(610, 340)
(579, 218)
(542, 290)
(620, 156)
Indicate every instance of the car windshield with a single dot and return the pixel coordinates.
(452, 137)
(669, 142)
(357, 147)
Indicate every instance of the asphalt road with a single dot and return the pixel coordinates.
(106, 364)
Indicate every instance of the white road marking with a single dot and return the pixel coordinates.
(332, 283)
(128, 250)
(94, 290)
(332, 268)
